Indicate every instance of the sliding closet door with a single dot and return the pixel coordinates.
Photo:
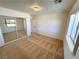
(20, 28)
(8, 28)
(12, 28)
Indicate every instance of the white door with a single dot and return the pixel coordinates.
(1, 38)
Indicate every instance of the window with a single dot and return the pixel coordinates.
(10, 23)
(74, 29)
(74, 24)
(72, 18)
(73, 32)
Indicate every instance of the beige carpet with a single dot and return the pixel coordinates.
(35, 47)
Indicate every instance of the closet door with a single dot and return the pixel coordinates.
(9, 29)
(20, 28)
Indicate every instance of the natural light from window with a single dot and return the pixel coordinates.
(10, 23)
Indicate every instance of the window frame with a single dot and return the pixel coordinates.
(73, 44)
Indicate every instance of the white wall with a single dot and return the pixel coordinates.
(13, 13)
(1, 38)
(34, 24)
(52, 25)
(67, 53)
(28, 26)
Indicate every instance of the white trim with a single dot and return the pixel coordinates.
(70, 43)
(1, 38)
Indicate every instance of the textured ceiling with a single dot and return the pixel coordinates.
(48, 6)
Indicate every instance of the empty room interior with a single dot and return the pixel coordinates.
(39, 29)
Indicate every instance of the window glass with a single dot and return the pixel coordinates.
(72, 18)
(75, 27)
(10, 23)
